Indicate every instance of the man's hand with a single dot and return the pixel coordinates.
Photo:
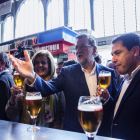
(25, 69)
(103, 94)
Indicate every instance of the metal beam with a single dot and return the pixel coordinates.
(92, 13)
(65, 2)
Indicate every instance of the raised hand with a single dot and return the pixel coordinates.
(24, 68)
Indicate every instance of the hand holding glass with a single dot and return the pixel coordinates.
(104, 79)
(33, 105)
(90, 113)
(19, 81)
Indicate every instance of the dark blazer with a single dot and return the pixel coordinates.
(126, 124)
(6, 81)
(72, 82)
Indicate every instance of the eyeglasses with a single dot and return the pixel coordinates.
(82, 47)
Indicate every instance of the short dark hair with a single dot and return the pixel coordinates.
(69, 62)
(108, 62)
(129, 40)
(97, 58)
(4, 57)
(91, 40)
(60, 63)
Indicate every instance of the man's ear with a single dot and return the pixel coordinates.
(94, 50)
(136, 50)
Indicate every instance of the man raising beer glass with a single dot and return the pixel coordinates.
(126, 113)
(75, 81)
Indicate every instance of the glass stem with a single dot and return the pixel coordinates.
(102, 89)
(102, 97)
(34, 122)
(90, 138)
(18, 92)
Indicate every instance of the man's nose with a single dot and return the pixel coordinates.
(113, 59)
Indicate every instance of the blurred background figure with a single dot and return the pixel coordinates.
(13, 71)
(6, 81)
(69, 62)
(119, 77)
(53, 109)
(98, 58)
(59, 66)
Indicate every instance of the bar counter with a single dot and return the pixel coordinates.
(18, 131)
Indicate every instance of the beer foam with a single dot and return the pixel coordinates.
(33, 98)
(104, 75)
(16, 73)
(89, 107)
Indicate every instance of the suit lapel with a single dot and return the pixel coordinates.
(128, 91)
(80, 76)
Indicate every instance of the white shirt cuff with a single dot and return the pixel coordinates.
(29, 84)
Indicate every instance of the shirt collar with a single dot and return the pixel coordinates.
(4, 71)
(93, 71)
(133, 73)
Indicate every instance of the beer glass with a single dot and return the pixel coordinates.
(104, 79)
(19, 81)
(33, 105)
(90, 113)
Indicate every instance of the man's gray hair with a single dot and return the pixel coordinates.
(4, 57)
(91, 40)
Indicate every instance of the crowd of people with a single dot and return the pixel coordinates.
(61, 91)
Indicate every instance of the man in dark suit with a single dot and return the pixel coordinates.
(126, 116)
(75, 80)
(6, 81)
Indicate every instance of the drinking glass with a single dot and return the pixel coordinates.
(33, 105)
(104, 79)
(90, 113)
(19, 81)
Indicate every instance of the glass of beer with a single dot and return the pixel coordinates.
(33, 105)
(90, 113)
(19, 81)
(104, 79)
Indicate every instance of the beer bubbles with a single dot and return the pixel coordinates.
(33, 105)
(90, 113)
(19, 81)
(104, 79)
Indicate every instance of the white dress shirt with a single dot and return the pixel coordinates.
(126, 83)
(91, 79)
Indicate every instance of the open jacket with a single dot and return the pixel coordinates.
(126, 123)
(6, 82)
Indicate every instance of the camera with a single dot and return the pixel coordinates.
(20, 51)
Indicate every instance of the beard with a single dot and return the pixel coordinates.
(83, 62)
